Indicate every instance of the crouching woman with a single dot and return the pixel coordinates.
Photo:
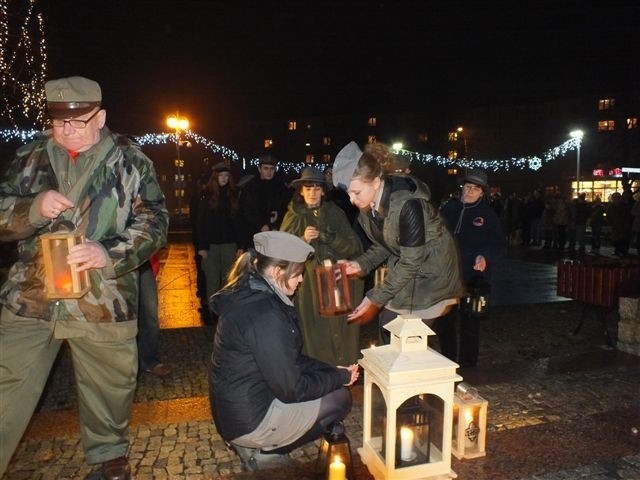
(267, 398)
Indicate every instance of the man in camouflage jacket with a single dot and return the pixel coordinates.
(81, 175)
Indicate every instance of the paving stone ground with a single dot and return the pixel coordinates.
(561, 406)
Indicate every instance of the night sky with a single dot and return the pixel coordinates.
(224, 64)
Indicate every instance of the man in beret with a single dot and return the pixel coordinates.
(264, 200)
(77, 175)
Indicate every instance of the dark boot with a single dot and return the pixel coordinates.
(116, 469)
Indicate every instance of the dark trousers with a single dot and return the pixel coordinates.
(469, 339)
(148, 324)
(446, 329)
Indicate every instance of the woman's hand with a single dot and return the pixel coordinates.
(353, 268)
(310, 234)
(364, 313)
(481, 263)
(355, 373)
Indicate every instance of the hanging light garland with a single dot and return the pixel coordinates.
(23, 64)
(529, 162)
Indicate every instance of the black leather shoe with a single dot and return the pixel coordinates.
(116, 469)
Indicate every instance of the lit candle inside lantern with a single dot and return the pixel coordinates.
(63, 282)
(336, 295)
(406, 444)
(337, 469)
(470, 437)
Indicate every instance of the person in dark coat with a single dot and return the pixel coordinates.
(325, 227)
(267, 398)
(478, 234)
(218, 233)
(264, 200)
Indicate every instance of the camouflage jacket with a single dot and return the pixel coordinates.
(118, 203)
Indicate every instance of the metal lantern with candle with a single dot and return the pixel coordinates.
(334, 456)
(469, 422)
(408, 405)
(334, 294)
(62, 280)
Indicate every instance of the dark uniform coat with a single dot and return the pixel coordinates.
(330, 339)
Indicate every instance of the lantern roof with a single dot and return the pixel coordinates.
(408, 358)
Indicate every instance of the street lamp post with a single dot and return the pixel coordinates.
(577, 134)
(178, 124)
(464, 140)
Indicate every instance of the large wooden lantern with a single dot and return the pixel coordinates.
(408, 405)
(62, 280)
(469, 422)
(334, 294)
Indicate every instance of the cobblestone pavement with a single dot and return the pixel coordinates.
(561, 405)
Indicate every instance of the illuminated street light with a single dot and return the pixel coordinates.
(460, 130)
(396, 147)
(179, 124)
(577, 134)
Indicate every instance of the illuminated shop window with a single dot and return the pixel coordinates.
(268, 143)
(632, 123)
(453, 136)
(452, 154)
(309, 158)
(371, 139)
(293, 125)
(326, 141)
(326, 158)
(372, 121)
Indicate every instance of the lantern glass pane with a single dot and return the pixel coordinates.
(378, 421)
(419, 431)
(61, 269)
(334, 294)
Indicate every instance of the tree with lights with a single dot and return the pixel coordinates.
(23, 60)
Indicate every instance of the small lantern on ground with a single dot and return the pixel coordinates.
(334, 456)
(62, 280)
(469, 422)
(334, 294)
(408, 405)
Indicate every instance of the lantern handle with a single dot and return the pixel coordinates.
(65, 226)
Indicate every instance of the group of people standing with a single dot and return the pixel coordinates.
(280, 371)
(556, 222)
(276, 357)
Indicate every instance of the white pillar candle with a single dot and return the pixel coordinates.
(406, 443)
(337, 296)
(337, 470)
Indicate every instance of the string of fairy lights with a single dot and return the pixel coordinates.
(23, 63)
(532, 162)
(23, 59)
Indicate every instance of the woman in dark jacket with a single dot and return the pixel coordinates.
(407, 232)
(267, 398)
(217, 235)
